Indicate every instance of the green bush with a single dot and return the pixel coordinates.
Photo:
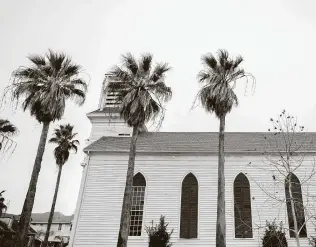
(274, 235)
(158, 235)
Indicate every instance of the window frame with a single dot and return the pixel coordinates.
(287, 212)
(198, 208)
(233, 207)
(144, 211)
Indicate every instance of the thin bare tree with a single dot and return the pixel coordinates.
(288, 150)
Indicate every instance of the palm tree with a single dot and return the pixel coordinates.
(6, 129)
(43, 88)
(63, 137)
(218, 79)
(142, 92)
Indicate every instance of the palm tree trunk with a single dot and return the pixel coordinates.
(221, 222)
(126, 207)
(52, 210)
(30, 196)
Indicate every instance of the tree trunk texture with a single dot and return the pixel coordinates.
(297, 235)
(126, 207)
(30, 196)
(221, 222)
(52, 210)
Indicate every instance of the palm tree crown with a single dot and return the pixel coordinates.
(63, 137)
(142, 88)
(219, 78)
(7, 128)
(47, 84)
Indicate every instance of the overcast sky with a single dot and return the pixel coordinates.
(276, 38)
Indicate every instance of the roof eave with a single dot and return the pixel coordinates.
(95, 114)
(45, 222)
(87, 151)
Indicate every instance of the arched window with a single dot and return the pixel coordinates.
(242, 207)
(137, 209)
(189, 207)
(298, 205)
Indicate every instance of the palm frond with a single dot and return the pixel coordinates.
(159, 71)
(130, 63)
(238, 61)
(203, 76)
(53, 140)
(146, 62)
(7, 128)
(38, 60)
(120, 74)
(56, 60)
(72, 70)
(161, 91)
(222, 57)
(209, 60)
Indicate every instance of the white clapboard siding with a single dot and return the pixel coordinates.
(98, 222)
(115, 128)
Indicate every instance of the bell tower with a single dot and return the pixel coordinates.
(106, 120)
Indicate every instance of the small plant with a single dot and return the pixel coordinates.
(274, 235)
(312, 241)
(158, 235)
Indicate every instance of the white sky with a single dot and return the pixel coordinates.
(276, 38)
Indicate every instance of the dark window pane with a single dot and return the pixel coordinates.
(242, 207)
(298, 205)
(189, 207)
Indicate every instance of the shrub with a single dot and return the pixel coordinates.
(274, 236)
(312, 241)
(158, 235)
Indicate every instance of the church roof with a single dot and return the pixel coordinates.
(204, 142)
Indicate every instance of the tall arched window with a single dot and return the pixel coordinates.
(298, 205)
(189, 207)
(137, 209)
(242, 207)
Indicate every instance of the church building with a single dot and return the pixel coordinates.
(176, 176)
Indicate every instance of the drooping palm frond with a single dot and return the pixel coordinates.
(46, 85)
(142, 90)
(63, 137)
(218, 79)
(7, 128)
